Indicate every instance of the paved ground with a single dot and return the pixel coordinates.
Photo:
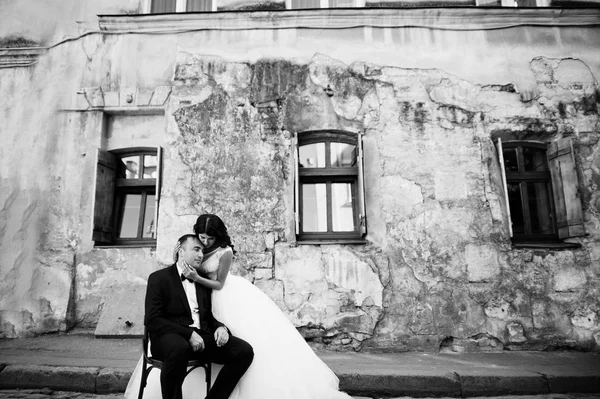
(82, 363)
(49, 394)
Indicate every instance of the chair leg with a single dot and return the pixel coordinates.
(208, 373)
(143, 380)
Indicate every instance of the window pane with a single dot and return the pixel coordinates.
(131, 216)
(341, 3)
(150, 166)
(314, 207)
(312, 156)
(535, 159)
(296, 4)
(343, 155)
(510, 160)
(149, 230)
(342, 207)
(516, 208)
(539, 207)
(129, 167)
(159, 6)
(199, 5)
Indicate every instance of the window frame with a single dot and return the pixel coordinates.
(330, 175)
(180, 7)
(325, 4)
(520, 177)
(140, 185)
(120, 188)
(565, 199)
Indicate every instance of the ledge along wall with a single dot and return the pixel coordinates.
(439, 270)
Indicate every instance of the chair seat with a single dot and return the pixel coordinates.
(158, 363)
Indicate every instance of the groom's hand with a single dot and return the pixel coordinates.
(196, 342)
(221, 336)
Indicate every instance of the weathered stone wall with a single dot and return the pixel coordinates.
(46, 161)
(439, 269)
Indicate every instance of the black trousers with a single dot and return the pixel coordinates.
(175, 351)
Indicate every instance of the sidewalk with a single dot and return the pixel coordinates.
(86, 364)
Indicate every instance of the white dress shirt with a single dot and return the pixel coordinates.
(190, 292)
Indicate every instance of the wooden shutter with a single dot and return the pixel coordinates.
(565, 187)
(505, 185)
(362, 216)
(295, 150)
(106, 168)
(159, 162)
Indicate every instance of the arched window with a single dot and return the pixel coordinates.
(329, 186)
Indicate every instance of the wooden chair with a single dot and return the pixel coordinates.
(155, 363)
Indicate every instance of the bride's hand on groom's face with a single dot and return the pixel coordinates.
(190, 272)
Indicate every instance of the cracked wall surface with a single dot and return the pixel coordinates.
(438, 272)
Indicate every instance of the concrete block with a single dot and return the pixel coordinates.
(78, 379)
(143, 97)
(127, 96)
(511, 382)
(94, 96)
(161, 93)
(122, 321)
(111, 99)
(110, 380)
(80, 101)
(403, 385)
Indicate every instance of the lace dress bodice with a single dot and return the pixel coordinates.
(210, 264)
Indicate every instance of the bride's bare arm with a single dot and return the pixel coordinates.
(223, 271)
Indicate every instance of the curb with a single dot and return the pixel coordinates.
(78, 379)
(447, 384)
(100, 380)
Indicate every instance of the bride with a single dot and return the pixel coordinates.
(284, 366)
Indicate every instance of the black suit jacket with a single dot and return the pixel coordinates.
(167, 308)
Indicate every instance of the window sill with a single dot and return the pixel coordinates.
(546, 245)
(332, 242)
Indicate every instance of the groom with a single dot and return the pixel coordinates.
(182, 327)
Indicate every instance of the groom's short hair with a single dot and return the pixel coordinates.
(184, 238)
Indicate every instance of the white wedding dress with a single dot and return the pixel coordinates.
(284, 366)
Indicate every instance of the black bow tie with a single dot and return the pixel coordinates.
(185, 278)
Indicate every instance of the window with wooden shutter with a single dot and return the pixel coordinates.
(528, 191)
(171, 6)
(127, 190)
(569, 215)
(306, 4)
(541, 190)
(329, 187)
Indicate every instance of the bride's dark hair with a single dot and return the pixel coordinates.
(213, 226)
